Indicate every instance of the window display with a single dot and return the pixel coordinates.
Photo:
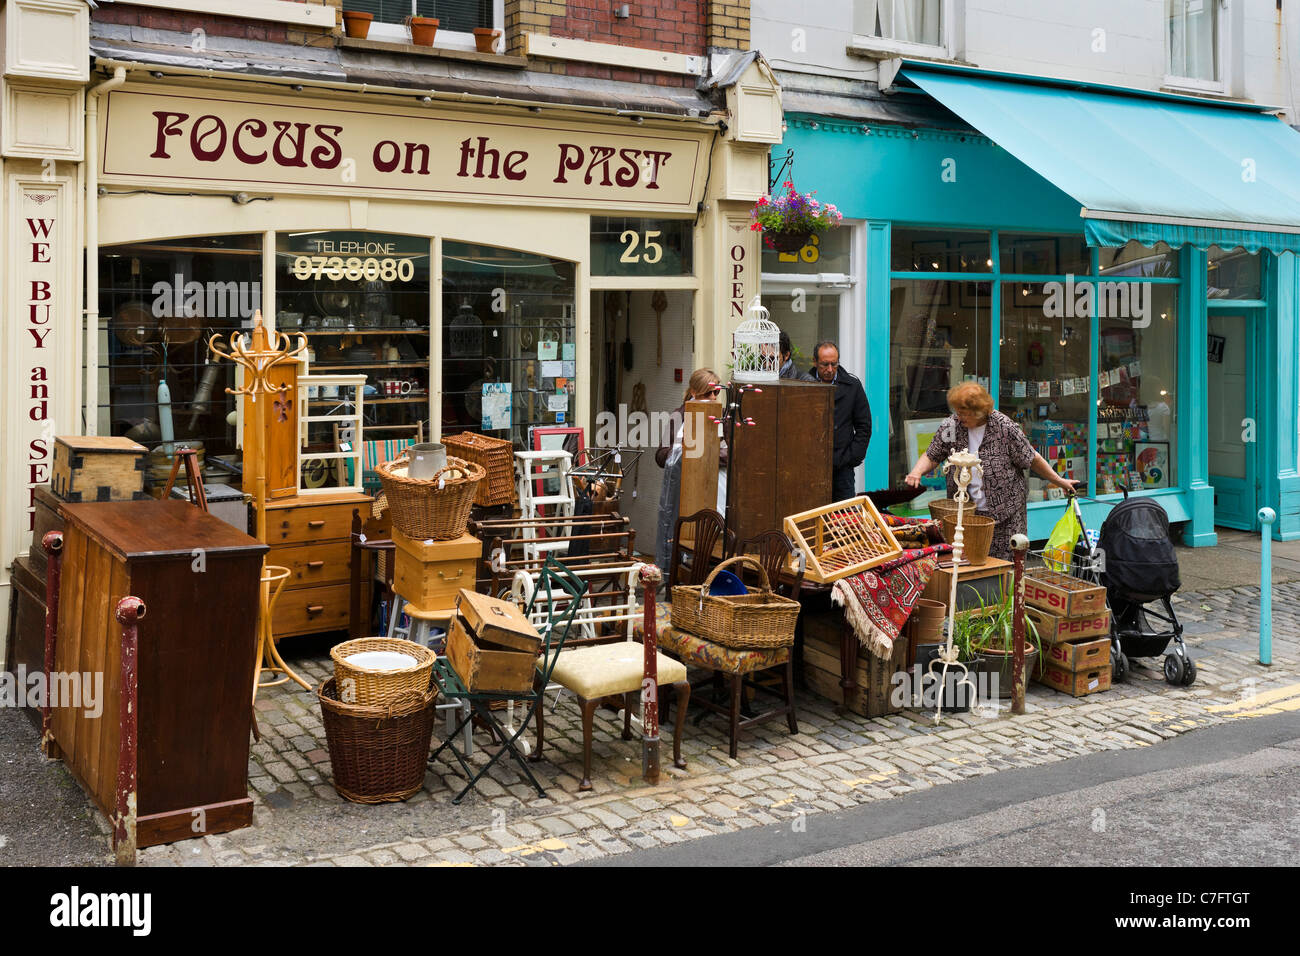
(509, 346)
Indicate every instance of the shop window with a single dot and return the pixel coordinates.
(1044, 255)
(902, 23)
(825, 253)
(623, 246)
(1233, 275)
(362, 301)
(1137, 414)
(508, 341)
(940, 335)
(454, 16)
(1046, 378)
(808, 318)
(159, 303)
(1135, 260)
(934, 250)
(1193, 31)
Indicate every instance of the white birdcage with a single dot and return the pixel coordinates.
(755, 347)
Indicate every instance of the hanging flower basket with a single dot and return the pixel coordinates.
(790, 219)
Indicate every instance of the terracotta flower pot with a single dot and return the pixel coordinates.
(485, 39)
(423, 30)
(357, 24)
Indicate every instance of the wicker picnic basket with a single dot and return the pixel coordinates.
(497, 456)
(370, 687)
(743, 621)
(436, 508)
(377, 754)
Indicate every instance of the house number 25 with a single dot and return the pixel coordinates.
(653, 251)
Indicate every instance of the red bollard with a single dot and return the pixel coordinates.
(53, 545)
(129, 612)
(1019, 544)
(650, 578)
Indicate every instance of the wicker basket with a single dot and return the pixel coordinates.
(497, 456)
(377, 754)
(976, 534)
(742, 621)
(379, 688)
(940, 507)
(436, 508)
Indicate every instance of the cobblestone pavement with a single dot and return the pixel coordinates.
(835, 761)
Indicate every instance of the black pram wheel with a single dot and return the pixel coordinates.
(1174, 670)
(1118, 665)
(1189, 672)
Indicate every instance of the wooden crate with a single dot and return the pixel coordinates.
(485, 669)
(98, 468)
(1079, 654)
(1053, 628)
(498, 622)
(987, 579)
(430, 574)
(873, 677)
(1075, 683)
(841, 539)
(1062, 594)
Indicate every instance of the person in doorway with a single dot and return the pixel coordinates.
(788, 369)
(1004, 453)
(703, 386)
(852, 418)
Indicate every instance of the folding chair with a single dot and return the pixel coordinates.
(554, 576)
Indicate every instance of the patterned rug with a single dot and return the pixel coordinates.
(878, 602)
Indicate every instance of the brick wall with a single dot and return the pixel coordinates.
(728, 24)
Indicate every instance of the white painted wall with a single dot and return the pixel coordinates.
(1119, 42)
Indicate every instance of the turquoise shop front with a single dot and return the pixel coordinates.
(1138, 342)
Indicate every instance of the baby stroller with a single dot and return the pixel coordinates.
(1136, 563)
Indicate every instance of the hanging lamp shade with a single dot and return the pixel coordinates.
(755, 347)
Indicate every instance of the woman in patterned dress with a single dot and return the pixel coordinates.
(1004, 453)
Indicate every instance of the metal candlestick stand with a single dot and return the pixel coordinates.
(967, 466)
(268, 349)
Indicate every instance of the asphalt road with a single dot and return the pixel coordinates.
(1223, 796)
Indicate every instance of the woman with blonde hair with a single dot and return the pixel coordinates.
(1004, 453)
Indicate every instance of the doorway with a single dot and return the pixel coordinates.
(1232, 402)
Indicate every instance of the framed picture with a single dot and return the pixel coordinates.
(976, 295)
(1035, 256)
(918, 433)
(555, 438)
(1151, 462)
(1216, 348)
(974, 257)
(932, 256)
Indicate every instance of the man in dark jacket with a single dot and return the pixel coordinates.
(852, 419)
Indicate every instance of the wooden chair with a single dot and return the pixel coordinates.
(701, 533)
(742, 667)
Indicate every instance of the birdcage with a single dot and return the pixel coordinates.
(755, 347)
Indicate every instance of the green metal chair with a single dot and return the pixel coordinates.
(554, 577)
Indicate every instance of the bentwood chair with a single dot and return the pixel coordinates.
(695, 538)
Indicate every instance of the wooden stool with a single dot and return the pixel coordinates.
(613, 670)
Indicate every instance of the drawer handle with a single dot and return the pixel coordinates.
(318, 523)
(315, 608)
(315, 565)
(443, 574)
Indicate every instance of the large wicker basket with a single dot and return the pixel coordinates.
(497, 456)
(369, 687)
(377, 754)
(741, 621)
(976, 534)
(436, 508)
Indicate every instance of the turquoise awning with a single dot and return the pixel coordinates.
(1149, 167)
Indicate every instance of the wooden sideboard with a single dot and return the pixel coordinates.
(311, 536)
(199, 580)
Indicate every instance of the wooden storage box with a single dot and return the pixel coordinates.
(47, 518)
(1075, 683)
(988, 580)
(498, 622)
(873, 677)
(429, 574)
(1053, 628)
(1062, 594)
(1079, 654)
(98, 468)
(482, 668)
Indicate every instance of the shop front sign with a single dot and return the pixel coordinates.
(259, 142)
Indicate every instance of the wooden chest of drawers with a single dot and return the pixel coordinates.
(311, 536)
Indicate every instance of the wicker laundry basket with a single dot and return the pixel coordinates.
(371, 687)
(436, 508)
(377, 754)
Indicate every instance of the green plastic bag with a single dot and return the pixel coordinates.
(1060, 546)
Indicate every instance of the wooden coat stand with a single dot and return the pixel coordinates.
(270, 351)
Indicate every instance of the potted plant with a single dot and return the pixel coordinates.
(958, 694)
(993, 642)
(423, 30)
(356, 24)
(485, 39)
(790, 219)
